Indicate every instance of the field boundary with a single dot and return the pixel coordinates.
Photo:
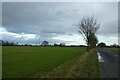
(61, 70)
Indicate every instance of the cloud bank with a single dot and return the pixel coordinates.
(55, 22)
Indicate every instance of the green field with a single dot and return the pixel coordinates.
(35, 62)
(113, 49)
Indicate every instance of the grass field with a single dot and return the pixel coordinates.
(113, 49)
(35, 62)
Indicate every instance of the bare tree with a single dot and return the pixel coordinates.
(88, 27)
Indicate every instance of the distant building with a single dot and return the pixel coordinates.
(45, 43)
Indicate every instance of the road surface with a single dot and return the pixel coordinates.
(108, 62)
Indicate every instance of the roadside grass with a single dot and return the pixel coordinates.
(87, 66)
(113, 49)
(35, 62)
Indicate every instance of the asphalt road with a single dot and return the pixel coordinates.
(108, 62)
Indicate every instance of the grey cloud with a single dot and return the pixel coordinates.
(24, 17)
(51, 19)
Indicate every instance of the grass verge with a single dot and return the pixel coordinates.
(86, 66)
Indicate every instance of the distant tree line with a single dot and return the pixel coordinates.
(6, 43)
(61, 44)
(102, 44)
(46, 43)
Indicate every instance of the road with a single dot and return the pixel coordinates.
(108, 62)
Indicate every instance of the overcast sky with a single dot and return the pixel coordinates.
(31, 22)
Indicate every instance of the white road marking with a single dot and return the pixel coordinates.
(100, 58)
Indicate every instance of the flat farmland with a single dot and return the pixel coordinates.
(35, 62)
